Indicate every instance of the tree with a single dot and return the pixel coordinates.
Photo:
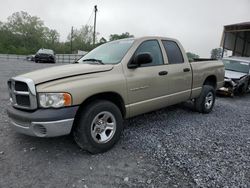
(82, 38)
(216, 53)
(192, 56)
(122, 36)
(52, 36)
(24, 34)
(29, 29)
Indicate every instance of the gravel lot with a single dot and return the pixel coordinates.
(172, 147)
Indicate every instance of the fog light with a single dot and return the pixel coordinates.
(39, 130)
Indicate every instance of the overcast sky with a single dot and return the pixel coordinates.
(198, 24)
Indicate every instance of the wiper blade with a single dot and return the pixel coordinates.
(95, 60)
(233, 70)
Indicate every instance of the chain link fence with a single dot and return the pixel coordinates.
(60, 58)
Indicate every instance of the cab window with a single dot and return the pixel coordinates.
(173, 52)
(152, 47)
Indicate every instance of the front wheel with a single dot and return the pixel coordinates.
(99, 126)
(205, 102)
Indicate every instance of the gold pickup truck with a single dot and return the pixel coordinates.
(115, 81)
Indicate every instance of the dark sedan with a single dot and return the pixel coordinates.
(45, 55)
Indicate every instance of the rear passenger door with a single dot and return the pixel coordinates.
(179, 72)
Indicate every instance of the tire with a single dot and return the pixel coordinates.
(98, 126)
(248, 87)
(205, 102)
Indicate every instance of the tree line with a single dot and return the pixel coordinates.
(25, 34)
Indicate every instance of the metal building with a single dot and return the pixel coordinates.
(236, 38)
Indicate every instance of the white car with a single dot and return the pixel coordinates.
(237, 75)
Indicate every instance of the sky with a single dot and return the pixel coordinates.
(197, 24)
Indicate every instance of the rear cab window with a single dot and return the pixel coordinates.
(173, 52)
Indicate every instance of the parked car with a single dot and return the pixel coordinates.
(45, 55)
(115, 81)
(237, 76)
(30, 58)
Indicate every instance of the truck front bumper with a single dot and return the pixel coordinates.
(43, 122)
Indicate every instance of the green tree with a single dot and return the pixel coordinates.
(24, 34)
(216, 53)
(82, 38)
(191, 56)
(30, 31)
(121, 36)
(52, 36)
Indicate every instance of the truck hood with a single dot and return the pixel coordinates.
(234, 75)
(63, 71)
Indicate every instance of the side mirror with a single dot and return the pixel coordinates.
(139, 59)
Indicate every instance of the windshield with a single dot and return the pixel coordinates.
(109, 53)
(45, 51)
(237, 66)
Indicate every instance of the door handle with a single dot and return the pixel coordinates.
(186, 70)
(162, 73)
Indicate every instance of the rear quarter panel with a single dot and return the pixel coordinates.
(204, 69)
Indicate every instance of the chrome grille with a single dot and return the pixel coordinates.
(22, 93)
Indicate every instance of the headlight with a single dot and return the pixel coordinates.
(54, 100)
(227, 79)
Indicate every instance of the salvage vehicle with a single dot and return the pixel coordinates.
(30, 58)
(237, 76)
(45, 55)
(113, 82)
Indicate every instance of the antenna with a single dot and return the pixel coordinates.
(71, 38)
(94, 35)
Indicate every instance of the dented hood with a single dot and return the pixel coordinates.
(63, 71)
(234, 75)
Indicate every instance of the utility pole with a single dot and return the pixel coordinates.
(94, 25)
(71, 38)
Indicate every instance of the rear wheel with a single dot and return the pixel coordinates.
(205, 102)
(99, 126)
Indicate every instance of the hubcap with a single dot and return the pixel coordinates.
(103, 127)
(209, 100)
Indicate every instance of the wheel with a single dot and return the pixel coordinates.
(205, 102)
(248, 87)
(98, 126)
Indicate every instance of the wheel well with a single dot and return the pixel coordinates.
(109, 96)
(211, 80)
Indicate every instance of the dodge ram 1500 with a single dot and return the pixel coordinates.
(115, 81)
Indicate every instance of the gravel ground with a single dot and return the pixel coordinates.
(172, 147)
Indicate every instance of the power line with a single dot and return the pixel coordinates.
(90, 18)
